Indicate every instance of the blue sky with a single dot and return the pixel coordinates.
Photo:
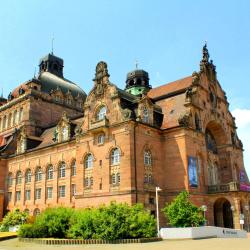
(166, 37)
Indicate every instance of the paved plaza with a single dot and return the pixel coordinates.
(206, 244)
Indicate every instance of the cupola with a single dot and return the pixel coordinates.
(137, 82)
(51, 63)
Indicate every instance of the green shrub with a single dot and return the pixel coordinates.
(182, 213)
(13, 218)
(55, 221)
(110, 222)
(32, 231)
(81, 224)
(141, 223)
(116, 221)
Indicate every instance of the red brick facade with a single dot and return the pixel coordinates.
(120, 147)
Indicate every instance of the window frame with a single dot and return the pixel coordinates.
(101, 113)
(62, 170)
(61, 191)
(115, 156)
(28, 176)
(38, 174)
(50, 172)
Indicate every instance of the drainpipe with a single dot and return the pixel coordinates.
(135, 163)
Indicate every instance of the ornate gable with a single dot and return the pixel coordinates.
(63, 129)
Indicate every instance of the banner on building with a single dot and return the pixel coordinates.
(244, 186)
(192, 171)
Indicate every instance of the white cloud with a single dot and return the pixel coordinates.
(242, 119)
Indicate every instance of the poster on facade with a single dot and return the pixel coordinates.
(244, 186)
(192, 171)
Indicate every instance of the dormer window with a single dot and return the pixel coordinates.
(65, 133)
(69, 101)
(101, 113)
(145, 115)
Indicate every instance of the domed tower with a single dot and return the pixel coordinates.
(52, 64)
(137, 82)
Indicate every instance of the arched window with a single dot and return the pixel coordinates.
(88, 161)
(213, 174)
(19, 177)
(210, 142)
(36, 212)
(145, 115)
(115, 156)
(62, 170)
(100, 138)
(73, 168)
(50, 172)
(9, 180)
(38, 174)
(28, 175)
(101, 113)
(147, 158)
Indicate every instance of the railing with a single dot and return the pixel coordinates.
(97, 124)
(229, 187)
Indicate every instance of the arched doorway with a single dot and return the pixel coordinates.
(223, 216)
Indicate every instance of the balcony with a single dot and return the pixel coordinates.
(221, 188)
(98, 124)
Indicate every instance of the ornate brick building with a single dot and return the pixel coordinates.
(61, 147)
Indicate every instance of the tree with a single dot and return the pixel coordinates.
(182, 213)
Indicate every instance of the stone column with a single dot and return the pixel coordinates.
(236, 213)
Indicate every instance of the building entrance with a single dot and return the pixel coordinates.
(223, 216)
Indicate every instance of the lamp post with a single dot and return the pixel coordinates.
(247, 209)
(204, 209)
(157, 189)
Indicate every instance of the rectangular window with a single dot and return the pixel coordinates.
(18, 195)
(9, 196)
(49, 192)
(61, 191)
(27, 195)
(38, 193)
(73, 189)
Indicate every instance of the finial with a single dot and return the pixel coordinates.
(205, 53)
(2, 93)
(52, 45)
(35, 72)
(136, 64)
